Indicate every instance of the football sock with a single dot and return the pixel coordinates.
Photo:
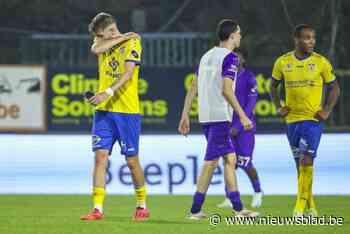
(304, 186)
(140, 194)
(311, 201)
(256, 185)
(198, 199)
(235, 200)
(98, 196)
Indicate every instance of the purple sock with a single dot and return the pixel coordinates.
(198, 199)
(235, 200)
(256, 185)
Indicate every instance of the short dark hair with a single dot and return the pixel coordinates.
(299, 28)
(100, 21)
(225, 28)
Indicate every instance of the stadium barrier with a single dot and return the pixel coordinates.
(62, 164)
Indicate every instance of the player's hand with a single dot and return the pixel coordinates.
(283, 111)
(98, 98)
(246, 123)
(234, 132)
(322, 115)
(184, 125)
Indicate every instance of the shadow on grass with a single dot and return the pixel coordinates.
(125, 219)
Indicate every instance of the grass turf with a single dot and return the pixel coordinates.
(36, 214)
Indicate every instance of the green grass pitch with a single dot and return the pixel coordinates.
(56, 214)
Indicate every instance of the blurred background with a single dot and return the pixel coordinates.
(46, 67)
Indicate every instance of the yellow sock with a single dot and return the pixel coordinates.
(98, 196)
(311, 201)
(304, 187)
(140, 194)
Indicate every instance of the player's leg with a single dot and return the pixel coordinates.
(254, 180)
(232, 188)
(129, 128)
(311, 135)
(218, 144)
(226, 203)
(102, 143)
(246, 142)
(293, 135)
(204, 180)
(138, 180)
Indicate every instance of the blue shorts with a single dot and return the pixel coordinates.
(109, 127)
(244, 144)
(304, 137)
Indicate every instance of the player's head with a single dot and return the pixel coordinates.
(103, 25)
(229, 30)
(305, 38)
(242, 55)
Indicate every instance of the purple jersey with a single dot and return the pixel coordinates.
(246, 93)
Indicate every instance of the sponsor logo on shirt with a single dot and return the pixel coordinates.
(113, 63)
(134, 54)
(300, 83)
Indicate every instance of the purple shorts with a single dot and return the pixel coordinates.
(219, 141)
(244, 144)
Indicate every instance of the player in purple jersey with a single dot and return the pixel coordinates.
(215, 84)
(244, 140)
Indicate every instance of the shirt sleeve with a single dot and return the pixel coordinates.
(327, 72)
(134, 51)
(277, 70)
(230, 66)
(252, 95)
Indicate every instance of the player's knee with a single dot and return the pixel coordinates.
(230, 160)
(211, 164)
(133, 163)
(306, 160)
(101, 158)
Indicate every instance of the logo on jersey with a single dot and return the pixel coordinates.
(312, 66)
(95, 140)
(288, 67)
(122, 50)
(254, 89)
(113, 64)
(134, 54)
(233, 68)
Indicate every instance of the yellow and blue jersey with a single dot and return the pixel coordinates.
(111, 67)
(303, 80)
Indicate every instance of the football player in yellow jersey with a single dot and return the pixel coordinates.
(304, 73)
(117, 116)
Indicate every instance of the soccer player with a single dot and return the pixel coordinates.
(304, 73)
(244, 140)
(117, 116)
(217, 72)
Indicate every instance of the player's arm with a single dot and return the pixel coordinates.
(125, 77)
(276, 78)
(184, 124)
(332, 91)
(102, 45)
(252, 96)
(228, 93)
